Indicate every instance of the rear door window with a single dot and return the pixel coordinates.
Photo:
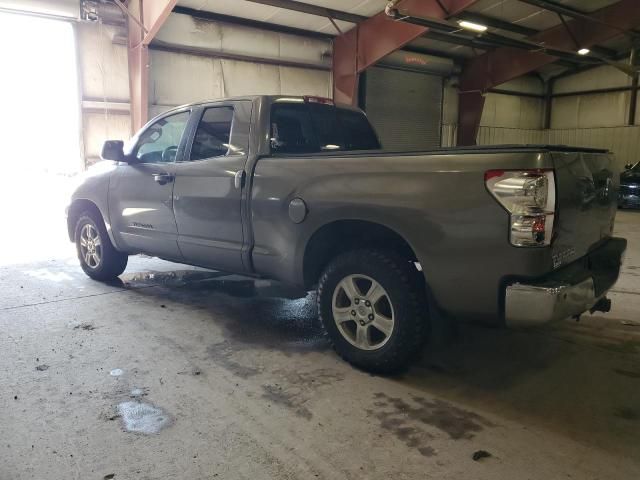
(313, 128)
(213, 133)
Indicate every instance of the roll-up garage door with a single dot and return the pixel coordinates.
(405, 108)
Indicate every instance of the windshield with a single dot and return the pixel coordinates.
(313, 128)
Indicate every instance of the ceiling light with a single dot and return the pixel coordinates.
(583, 51)
(476, 27)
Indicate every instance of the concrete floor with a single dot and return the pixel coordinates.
(239, 382)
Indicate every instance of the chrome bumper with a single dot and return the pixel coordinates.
(530, 305)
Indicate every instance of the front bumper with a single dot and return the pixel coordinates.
(567, 292)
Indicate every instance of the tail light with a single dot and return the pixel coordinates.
(530, 198)
(321, 100)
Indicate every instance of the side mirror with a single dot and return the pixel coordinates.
(113, 150)
(628, 166)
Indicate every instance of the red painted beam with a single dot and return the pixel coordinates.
(372, 39)
(503, 64)
(151, 14)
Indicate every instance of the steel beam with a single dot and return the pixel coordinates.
(633, 100)
(561, 9)
(503, 64)
(378, 36)
(145, 19)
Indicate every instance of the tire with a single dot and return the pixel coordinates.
(355, 334)
(106, 263)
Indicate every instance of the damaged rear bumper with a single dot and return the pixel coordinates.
(567, 292)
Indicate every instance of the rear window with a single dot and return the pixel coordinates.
(313, 128)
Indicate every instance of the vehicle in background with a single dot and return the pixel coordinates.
(629, 196)
(297, 189)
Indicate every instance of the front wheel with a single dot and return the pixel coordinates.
(98, 257)
(373, 306)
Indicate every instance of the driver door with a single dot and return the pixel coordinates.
(141, 191)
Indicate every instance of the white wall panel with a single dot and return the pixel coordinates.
(176, 79)
(564, 112)
(597, 78)
(244, 78)
(526, 84)
(179, 78)
(226, 38)
(588, 111)
(299, 81)
(97, 128)
(501, 136)
(103, 64)
(496, 135)
(510, 111)
(624, 142)
(449, 104)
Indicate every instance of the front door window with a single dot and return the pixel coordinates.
(159, 142)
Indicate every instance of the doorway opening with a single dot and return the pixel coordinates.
(40, 128)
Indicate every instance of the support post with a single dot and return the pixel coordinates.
(470, 106)
(145, 19)
(548, 103)
(633, 98)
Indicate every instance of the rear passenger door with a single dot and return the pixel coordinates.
(209, 182)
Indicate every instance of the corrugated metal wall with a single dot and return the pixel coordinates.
(200, 70)
(172, 74)
(624, 142)
(102, 58)
(496, 135)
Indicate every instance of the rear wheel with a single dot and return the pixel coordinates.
(98, 257)
(374, 308)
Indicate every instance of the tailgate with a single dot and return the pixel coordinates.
(587, 185)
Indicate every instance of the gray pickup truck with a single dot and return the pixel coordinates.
(298, 189)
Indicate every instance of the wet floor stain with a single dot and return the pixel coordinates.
(282, 397)
(414, 424)
(256, 312)
(139, 417)
(296, 389)
(84, 326)
(176, 278)
(222, 354)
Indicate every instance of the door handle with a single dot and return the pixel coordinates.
(238, 181)
(162, 178)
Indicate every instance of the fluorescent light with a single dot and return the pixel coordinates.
(476, 27)
(583, 51)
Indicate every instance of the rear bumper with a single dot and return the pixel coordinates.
(567, 292)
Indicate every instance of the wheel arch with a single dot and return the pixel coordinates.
(338, 236)
(77, 208)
